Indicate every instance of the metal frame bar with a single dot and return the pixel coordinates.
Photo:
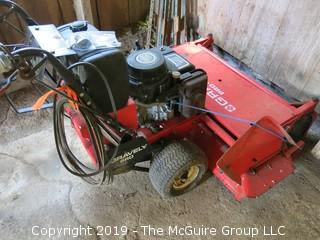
(25, 109)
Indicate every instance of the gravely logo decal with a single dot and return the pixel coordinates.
(216, 94)
(129, 155)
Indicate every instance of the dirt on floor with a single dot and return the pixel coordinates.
(38, 197)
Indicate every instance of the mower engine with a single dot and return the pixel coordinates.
(158, 77)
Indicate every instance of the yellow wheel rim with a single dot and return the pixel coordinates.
(186, 178)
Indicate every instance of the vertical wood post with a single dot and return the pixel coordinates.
(83, 10)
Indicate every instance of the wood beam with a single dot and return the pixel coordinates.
(83, 10)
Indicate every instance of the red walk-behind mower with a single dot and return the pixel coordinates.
(183, 110)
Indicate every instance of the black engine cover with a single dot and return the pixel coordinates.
(148, 74)
(113, 65)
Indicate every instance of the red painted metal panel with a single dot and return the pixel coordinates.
(251, 150)
(209, 142)
(231, 92)
(128, 115)
(253, 184)
(219, 131)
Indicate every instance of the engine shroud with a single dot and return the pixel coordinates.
(160, 76)
(148, 75)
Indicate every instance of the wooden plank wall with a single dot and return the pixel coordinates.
(277, 38)
(107, 14)
(114, 15)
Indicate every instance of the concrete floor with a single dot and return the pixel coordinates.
(35, 190)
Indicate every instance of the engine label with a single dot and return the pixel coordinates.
(216, 94)
(177, 60)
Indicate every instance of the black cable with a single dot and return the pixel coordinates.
(69, 161)
(105, 80)
(89, 112)
(64, 151)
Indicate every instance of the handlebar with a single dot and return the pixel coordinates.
(20, 10)
(66, 74)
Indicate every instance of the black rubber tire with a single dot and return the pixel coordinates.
(171, 162)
